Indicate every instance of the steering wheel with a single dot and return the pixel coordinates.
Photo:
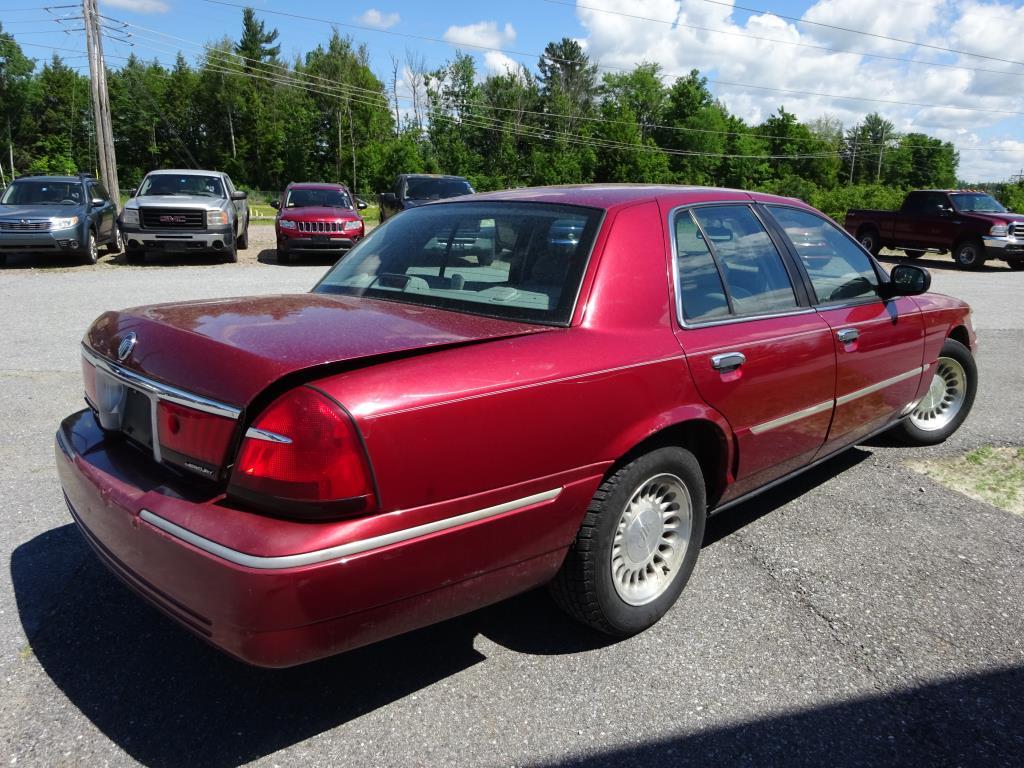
(851, 288)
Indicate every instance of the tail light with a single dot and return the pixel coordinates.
(194, 439)
(303, 456)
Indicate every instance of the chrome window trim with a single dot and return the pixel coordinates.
(341, 551)
(789, 418)
(869, 390)
(680, 318)
(270, 437)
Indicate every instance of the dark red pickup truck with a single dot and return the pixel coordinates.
(971, 225)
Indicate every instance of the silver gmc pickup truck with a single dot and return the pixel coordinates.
(185, 211)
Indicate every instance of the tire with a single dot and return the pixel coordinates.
(92, 251)
(243, 239)
(230, 255)
(116, 245)
(616, 534)
(1017, 265)
(134, 257)
(947, 403)
(913, 254)
(969, 254)
(870, 240)
(3, 259)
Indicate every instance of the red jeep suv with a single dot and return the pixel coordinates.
(313, 218)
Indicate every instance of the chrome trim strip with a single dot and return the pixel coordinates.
(879, 385)
(789, 418)
(162, 391)
(270, 437)
(343, 550)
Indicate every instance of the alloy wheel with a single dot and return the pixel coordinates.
(944, 399)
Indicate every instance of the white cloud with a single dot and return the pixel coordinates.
(499, 64)
(483, 34)
(616, 41)
(377, 19)
(139, 6)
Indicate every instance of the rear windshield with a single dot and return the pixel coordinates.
(435, 189)
(184, 184)
(521, 261)
(43, 193)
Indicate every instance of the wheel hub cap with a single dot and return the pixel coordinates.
(651, 539)
(944, 399)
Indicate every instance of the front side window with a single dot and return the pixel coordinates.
(519, 261)
(839, 270)
(186, 184)
(43, 193)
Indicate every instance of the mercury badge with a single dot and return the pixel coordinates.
(124, 349)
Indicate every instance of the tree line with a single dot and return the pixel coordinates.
(326, 116)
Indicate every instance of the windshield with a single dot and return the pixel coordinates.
(521, 261)
(185, 184)
(977, 203)
(43, 193)
(305, 198)
(435, 189)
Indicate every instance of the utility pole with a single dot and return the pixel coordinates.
(881, 149)
(853, 160)
(101, 100)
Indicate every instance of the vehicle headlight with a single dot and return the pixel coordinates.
(63, 223)
(216, 217)
(352, 225)
(287, 224)
(130, 216)
(999, 230)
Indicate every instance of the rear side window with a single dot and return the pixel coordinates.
(839, 270)
(700, 286)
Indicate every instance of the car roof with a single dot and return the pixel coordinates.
(619, 195)
(185, 172)
(432, 176)
(316, 185)
(53, 178)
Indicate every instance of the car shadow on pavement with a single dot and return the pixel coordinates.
(972, 720)
(168, 699)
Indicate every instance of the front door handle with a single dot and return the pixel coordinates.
(847, 335)
(728, 361)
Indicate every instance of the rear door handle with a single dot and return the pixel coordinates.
(728, 361)
(847, 335)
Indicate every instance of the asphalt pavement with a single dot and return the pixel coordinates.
(858, 615)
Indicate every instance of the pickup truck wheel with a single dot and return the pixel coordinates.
(243, 239)
(913, 254)
(92, 251)
(969, 254)
(870, 240)
(637, 545)
(1017, 265)
(230, 255)
(948, 400)
(116, 245)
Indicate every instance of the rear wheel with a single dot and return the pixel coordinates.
(1017, 265)
(637, 545)
(913, 254)
(969, 254)
(243, 239)
(117, 244)
(870, 240)
(948, 400)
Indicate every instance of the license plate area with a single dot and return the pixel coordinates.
(137, 423)
(321, 238)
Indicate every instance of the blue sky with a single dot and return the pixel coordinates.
(750, 57)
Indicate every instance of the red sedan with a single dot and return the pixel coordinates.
(490, 394)
(317, 218)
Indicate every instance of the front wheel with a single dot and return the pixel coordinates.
(948, 400)
(1017, 265)
(243, 239)
(969, 254)
(92, 251)
(637, 545)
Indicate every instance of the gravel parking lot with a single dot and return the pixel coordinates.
(859, 615)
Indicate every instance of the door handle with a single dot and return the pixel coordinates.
(728, 361)
(847, 335)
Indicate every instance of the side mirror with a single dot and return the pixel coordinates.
(97, 202)
(361, 205)
(388, 198)
(132, 191)
(275, 204)
(239, 194)
(906, 280)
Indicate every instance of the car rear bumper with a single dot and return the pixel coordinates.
(303, 590)
(212, 239)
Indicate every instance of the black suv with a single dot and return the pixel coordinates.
(414, 189)
(57, 216)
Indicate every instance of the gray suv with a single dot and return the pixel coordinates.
(185, 211)
(58, 216)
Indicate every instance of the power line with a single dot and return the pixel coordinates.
(779, 41)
